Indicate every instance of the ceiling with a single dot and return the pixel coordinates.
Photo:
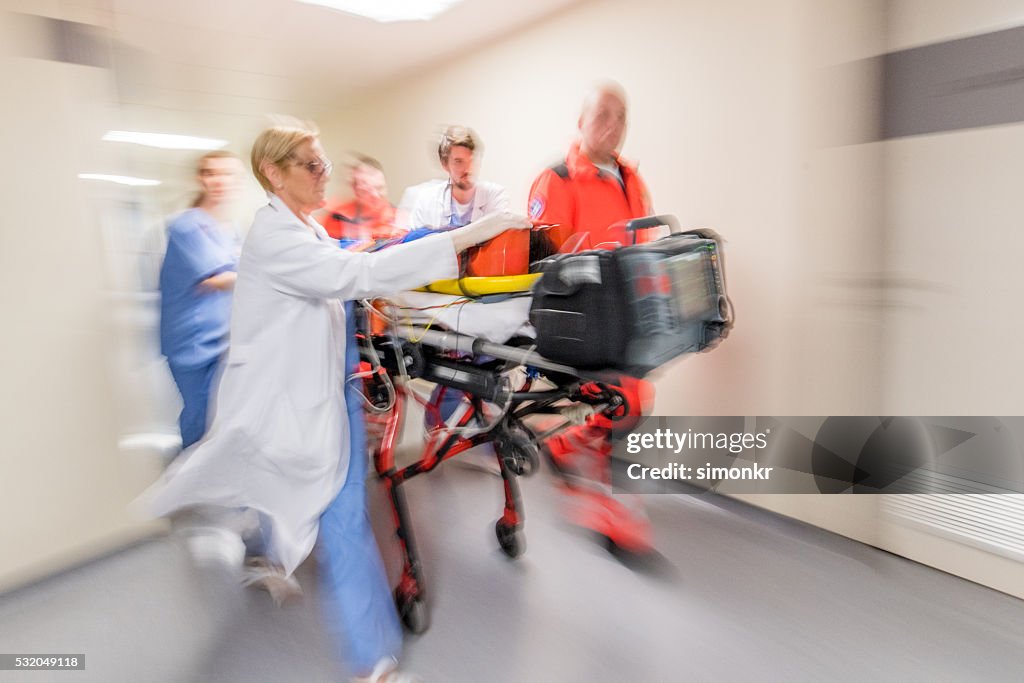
(188, 51)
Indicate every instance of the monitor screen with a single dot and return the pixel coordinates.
(693, 287)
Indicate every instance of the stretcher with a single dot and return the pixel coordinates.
(505, 384)
(482, 348)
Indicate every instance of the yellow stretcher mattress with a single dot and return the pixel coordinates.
(482, 286)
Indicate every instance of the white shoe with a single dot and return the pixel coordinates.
(387, 671)
(259, 573)
(211, 546)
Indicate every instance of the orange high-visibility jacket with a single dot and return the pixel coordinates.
(351, 220)
(583, 199)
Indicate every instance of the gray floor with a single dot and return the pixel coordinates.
(748, 596)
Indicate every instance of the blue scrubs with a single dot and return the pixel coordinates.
(357, 602)
(194, 384)
(194, 321)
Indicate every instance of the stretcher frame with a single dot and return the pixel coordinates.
(407, 352)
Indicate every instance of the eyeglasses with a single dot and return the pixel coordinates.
(317, 167)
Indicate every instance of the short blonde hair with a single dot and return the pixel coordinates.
(276, 144)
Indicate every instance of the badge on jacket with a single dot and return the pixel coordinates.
(536, 207)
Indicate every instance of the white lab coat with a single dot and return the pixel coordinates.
(433, 207)
(279, 438)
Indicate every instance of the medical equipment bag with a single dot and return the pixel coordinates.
(633, 308)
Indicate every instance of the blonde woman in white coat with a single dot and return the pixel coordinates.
(281, 439)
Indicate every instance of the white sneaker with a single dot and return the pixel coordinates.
(387, 671)
(210, 546)
(259, 573)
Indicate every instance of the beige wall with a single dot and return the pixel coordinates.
(954, 237)
(742, 118)
(747, 116)
(725, 111)
(942, 299)
(953, 245)
(727, 119)
(64, 487)
(79, 362)
(756, 119)
(919, 22)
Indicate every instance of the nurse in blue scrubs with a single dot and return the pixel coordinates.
(196, 280)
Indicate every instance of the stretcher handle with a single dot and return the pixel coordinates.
(653, 222)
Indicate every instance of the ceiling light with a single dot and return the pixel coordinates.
(164, 140)
(119, 179)
(386, 11)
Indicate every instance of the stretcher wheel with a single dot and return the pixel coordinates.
(519, 453)
(511, 539)
(412, 609)
(412, 357)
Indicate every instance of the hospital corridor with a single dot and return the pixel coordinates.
(739, 595)
(455, 341)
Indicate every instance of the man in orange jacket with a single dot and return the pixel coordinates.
(589, 196)
(368, 215)
(593, 188)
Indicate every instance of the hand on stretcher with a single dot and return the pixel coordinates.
(486, 228)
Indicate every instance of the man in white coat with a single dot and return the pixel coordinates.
(462, 198)
(283, 441)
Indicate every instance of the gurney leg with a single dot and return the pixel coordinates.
(509, 528)
(409, 595)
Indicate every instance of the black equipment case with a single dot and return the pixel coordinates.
(634, 308)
